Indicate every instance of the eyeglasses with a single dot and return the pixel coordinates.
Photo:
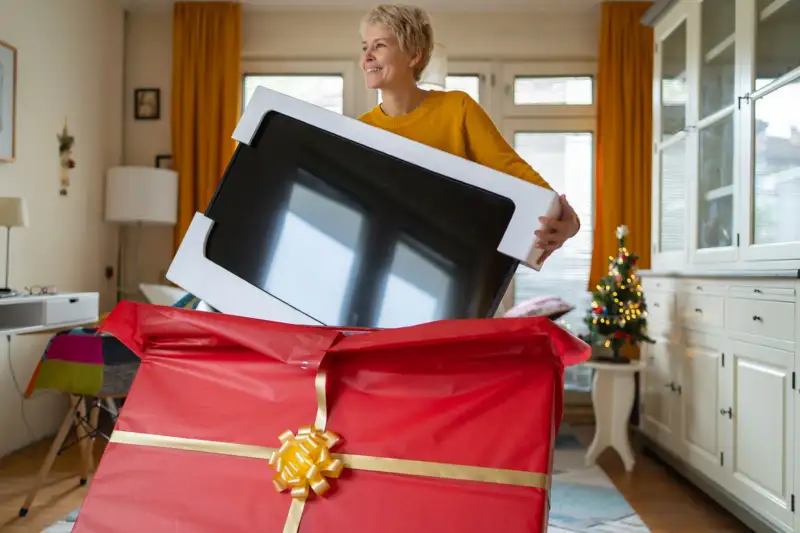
(41, 289)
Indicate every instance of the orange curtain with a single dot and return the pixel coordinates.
(624, 135)
(206, 100)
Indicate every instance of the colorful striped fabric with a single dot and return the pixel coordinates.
(82, 361)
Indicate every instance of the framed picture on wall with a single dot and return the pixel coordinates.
(147, 104)
(8, 101)
(164, 161)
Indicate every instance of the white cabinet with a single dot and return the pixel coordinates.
(660, 406)
(726, 135)
(720, 389)
(702, 433)
(762, 404)
(720, 393)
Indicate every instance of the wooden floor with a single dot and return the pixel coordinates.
(665, 502)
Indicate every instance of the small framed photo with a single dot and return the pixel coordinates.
(164, 161)
(8, 101)
(147, 104)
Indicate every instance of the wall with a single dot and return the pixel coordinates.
(69, 65)
(321, 35)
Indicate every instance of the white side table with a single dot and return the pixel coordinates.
(613, 391)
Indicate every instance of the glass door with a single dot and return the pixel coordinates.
(715, 189)
(562, 150)
(671, 127)
(771, 127)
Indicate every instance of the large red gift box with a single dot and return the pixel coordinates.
(443, 427)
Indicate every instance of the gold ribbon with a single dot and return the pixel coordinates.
(305, 461)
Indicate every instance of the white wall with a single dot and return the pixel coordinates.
(323, 35)
(70, 57)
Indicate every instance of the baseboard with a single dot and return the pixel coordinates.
(732, 504)
(578, 415)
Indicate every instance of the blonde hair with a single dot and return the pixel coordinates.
(411, 27)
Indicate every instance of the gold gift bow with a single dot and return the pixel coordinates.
(385, 465)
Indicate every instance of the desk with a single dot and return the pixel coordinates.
(47, 312)
(613, 391)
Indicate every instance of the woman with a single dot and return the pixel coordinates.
(397, 42)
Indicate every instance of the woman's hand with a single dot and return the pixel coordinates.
(556, 232)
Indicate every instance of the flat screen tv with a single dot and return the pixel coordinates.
(321, 219)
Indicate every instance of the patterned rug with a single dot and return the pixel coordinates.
(583, 499)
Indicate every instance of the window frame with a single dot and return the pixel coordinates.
(511, 70)
(345, 69)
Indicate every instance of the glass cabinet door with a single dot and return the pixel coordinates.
(717, 71)
(774, 132)
(671, 141)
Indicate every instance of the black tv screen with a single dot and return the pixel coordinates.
(353, 237)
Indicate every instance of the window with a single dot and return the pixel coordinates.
(553, 91)
(566, 160)
(324, 90)
(327, 84)
(470, 84)
(563, 89)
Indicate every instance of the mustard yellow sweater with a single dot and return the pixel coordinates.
(453, 122)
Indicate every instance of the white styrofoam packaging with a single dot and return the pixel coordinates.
(192, 271)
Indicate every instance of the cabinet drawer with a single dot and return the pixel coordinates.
(658, 284)
(762, 318)
(763, 291)
(72, 308)
(703, 286)
(702, 310)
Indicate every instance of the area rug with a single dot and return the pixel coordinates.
(582, 499)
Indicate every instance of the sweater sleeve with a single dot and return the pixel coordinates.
(487, 146)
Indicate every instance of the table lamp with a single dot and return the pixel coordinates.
(13, 214)
(435, 74)
(137, 196)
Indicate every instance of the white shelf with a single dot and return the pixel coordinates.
(48, 312)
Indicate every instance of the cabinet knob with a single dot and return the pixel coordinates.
(757, 318)
(698, 310)
(656, 304)
(728, 411)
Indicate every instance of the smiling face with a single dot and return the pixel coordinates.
(384, 63)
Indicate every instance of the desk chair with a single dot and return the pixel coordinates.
(96, 371)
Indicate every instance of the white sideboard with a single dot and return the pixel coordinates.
(40, 313)
(720, 393)
(720, 396)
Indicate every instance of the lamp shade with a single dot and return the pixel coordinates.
(436, 72)
(142, 194)
(13, 212)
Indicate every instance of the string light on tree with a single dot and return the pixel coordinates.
(618, 313)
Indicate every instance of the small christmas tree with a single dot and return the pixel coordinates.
(619, 312)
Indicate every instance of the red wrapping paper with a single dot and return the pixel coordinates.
(469, 392)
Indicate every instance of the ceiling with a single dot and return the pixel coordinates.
(553, 6)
